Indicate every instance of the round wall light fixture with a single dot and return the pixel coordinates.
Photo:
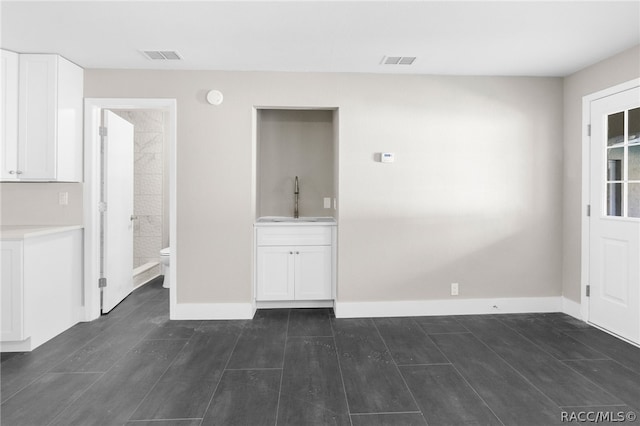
(214, 97)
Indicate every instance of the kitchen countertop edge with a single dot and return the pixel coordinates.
(20, 232)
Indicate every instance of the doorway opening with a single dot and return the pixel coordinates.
(151, 115)
(150, 218)
(611, 228)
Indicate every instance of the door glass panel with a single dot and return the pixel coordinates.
(615, 129)
(634, 125)
(615, 164)
(634, 162)
(614, 199)
(634, 200)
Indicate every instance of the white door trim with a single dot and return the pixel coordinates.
(92, 108)
(586, 181)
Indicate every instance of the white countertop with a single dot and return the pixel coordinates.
(289, 221)
(19, 232)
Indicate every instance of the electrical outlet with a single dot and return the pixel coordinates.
(63, 198)
(327, 202)
(454, 289)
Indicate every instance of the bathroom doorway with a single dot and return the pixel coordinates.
(153, 217)
(150, 219)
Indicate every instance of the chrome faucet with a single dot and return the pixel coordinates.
(296, 196)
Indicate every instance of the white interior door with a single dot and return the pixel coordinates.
(118, 217)
(614, 225)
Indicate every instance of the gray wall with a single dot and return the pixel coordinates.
(475, 194)
(37, 204)
(295, 143)
(615, 70)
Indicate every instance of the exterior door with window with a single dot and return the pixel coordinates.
(614, 225)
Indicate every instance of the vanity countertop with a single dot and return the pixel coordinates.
(19, 232)
(290, 221)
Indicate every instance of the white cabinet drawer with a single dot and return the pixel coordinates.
(294, 236)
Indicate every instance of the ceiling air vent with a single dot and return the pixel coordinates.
(398, 60)
(161, 55)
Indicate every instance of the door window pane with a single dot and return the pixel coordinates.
(634, 125)
(634, 200)
(634, 162)
(614, 199)
(615, 129)
(615, 164)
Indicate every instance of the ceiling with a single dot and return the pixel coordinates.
(453, 38)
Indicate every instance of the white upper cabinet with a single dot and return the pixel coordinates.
(48, 146)
(9, 114)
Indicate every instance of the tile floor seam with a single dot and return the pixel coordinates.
(476, 392)
(344, 389)
(74, 400)
(215, 389)
(554, 403)
(165, 420)
(253, 369)
(430, 339)
(603, 359)
(163, 373)
(284, 355)
(387, 412)
(537, 345)
(375, 326)
(423, 364)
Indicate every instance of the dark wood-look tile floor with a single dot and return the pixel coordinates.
(302, 367)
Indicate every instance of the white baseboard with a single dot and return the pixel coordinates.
(294, 304)
(229, 311)
(447, 307)
(572, 308)
(212, 311)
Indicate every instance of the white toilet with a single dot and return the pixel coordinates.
(164, 259)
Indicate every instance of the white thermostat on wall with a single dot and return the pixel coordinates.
(386, 157)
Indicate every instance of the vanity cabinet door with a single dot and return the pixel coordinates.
(275, 272)
(312, 273)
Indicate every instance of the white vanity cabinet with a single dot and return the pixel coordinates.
(41, 292)
(294, 262)
(43, 137)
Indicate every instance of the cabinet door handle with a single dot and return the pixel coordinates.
(297, 252)
(12, 172)
(290, 252)
(18, 172)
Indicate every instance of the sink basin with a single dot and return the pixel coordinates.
(285, 219)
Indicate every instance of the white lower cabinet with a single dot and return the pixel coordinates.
(41, 288)
(293, 272)
(12, 291)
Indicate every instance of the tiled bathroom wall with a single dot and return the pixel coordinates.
(149, 126)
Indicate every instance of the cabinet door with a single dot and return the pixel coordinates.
(275, 273)
(313, 272)
(12, 291)
(37, 117)
(9, 116)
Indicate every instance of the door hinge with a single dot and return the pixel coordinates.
(102, 207)
(103, 131)
(588, 209)
(588, 129)
(588, 290)
(102, 282)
